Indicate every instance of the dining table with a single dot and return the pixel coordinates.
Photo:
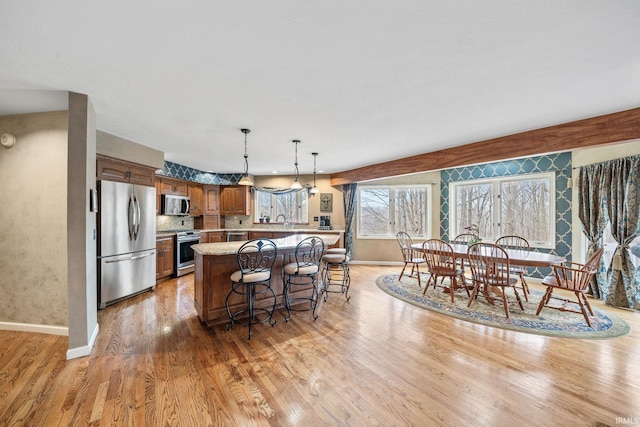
(527, 258)
(520, 257)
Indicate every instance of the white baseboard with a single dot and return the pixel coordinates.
(376, 262)
(40, 329)
(85, 350)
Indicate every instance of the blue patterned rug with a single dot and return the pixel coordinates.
(550, 322)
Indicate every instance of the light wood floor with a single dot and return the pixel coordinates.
(374, 361)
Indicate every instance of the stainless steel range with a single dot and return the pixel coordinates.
(185, 258)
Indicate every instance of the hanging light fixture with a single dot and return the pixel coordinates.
(245, 176)
(314, 190)
(296, 185)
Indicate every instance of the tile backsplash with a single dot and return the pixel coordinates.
(167, 222)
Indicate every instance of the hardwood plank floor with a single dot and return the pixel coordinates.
(372, 361)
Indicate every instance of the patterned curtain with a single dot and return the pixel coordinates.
(621, 184)
(592, 214)
(349, 198)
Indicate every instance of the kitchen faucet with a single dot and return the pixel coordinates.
(284, 218)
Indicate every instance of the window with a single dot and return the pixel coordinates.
(290, 204)
(522, 205)
(383, 211)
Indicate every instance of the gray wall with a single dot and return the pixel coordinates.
(33, 221)
(120, 148)
(47, 243)
(81, 227)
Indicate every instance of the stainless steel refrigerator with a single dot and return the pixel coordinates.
(127, 246)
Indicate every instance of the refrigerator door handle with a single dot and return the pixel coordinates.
(144, 255)
(131, 217)
(111, 261)
(130, 258)
(137, 219)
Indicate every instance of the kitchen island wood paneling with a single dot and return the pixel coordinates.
(216, 261)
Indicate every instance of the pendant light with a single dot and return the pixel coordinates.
(296, 185)
(245, 176)
(314, 190)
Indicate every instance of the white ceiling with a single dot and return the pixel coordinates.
(358, 81)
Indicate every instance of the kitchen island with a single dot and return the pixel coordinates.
(215, 262)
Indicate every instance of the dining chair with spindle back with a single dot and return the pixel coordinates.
(517, 243)
(572, 277)
(410, 256)
(441, 262)
(490, 268)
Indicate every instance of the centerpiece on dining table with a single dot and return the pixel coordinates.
(475, 230)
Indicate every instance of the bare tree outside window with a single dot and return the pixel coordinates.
(385, 211)
(293, 205)
(521, 206)
(409, 212)
(474, 205)
(374, 212)
(525, 209)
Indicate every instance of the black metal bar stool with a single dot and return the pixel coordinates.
(255, 260)
(302, 273)
(335, 274)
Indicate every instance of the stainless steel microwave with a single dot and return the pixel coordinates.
(175, 205)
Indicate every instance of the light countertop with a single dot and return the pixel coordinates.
(165, 233)
(231, 248)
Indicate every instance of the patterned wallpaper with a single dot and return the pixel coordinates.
(558, 163)
(174, 170)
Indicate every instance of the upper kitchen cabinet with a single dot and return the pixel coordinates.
(196, 199)
(110, 169)
(210, 218)
(211, 199)
(235, 200)
(176, 187)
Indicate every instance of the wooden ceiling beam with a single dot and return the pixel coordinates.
(610, 128)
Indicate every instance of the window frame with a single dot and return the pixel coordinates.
(392, 189)
(302, 209)
(496, 207)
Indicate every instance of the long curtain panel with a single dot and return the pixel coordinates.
(349, 199)
(592, 214)
(611, 190)
(622, 186)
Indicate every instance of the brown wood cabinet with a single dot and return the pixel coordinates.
(111, 169)
(211, 199)
(158, 182)
(164, 257)
(196, 199)
(213, 237)
(211, 216)
(177, 187)
(235, 200)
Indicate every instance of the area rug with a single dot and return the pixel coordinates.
(550, 322)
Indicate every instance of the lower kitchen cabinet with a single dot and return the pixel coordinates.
(212, 237)
(165, 257)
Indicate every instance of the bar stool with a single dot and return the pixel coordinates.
(304, 272)
(335, 274)
(255, 260)
(336, 251)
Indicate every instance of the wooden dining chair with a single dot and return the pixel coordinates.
(464, 239)
(517, 243)
(410, 256)
(572, 277)
(441, 261)
(490, 268)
